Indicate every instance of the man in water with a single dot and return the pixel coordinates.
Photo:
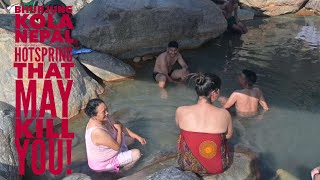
(234, 24)
(247, 99)
(164, 70)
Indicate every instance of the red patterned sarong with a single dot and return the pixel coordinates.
(202, 153)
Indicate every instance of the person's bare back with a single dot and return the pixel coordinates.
(230, 12)
(247, 100)
(229, 9)
(203, 118)
(204, 130)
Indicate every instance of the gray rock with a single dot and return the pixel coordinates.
(148, 57)
(313, 5)
(83, 89)
(126, 29)
(105, 66)
(3, 11)
(136, 59)
(240, 169)
(243, 167)
(173, 173)
(6, 2)
(77, 176)
(245, 14)
(273, 7)
(9, 162)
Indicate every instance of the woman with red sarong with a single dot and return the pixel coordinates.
(204, 129)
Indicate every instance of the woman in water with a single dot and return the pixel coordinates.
(106, 141)
(204, 129)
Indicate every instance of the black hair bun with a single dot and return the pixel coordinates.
(200, 80)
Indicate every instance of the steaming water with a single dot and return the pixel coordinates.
(284, 51)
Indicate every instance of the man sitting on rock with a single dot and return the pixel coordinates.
(164, 68)
(234, 24)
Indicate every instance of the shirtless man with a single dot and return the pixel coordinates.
(234, 24)
(163, 69)
(247, 99)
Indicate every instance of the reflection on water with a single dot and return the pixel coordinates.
(288, 73)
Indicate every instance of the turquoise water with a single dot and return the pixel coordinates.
(288, 72)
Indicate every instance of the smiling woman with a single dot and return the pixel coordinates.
(106, 141)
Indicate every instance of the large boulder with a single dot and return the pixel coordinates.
(9, 162)
(83, 89)
(243, 167)
(126, 29)
(273, 7)
(173, 173)
(6, 3)
(77, 176)
(105, 66)
(313, 5)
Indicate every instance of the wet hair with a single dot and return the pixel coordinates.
(91, 107)
(173, 44)
(251, 76)
(206, 83)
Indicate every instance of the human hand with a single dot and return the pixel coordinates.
(185, 73)
(315, 171)
(118, 127)
(142, 140)
(222, 100)
(171, 80)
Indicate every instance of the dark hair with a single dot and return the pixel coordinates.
(173, 44)
(206, 83)
(251, 76)
(91, 107)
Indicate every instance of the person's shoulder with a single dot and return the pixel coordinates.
(185, 109)
(237, 92)
(221, 114)
(225, 114)
(257, 89)
(160, 58)
(182, 108)
(224, 111)
(99, 131)
(162, 55)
